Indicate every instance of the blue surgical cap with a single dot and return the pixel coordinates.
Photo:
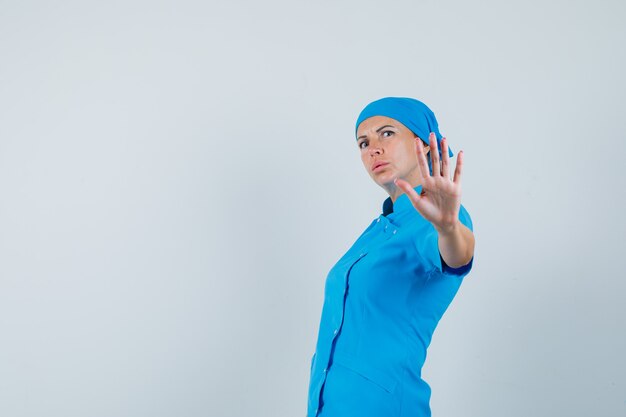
(414, 114)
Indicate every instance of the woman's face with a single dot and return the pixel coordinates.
(388, 151)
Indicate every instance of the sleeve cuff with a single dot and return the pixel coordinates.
(461, 270)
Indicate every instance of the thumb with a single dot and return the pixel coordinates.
(406, 187)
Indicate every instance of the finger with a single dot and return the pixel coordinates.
(422, 163)
(459, 168)
(434, 155)
(445, 159)
(409, 191)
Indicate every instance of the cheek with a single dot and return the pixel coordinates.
(405, 159)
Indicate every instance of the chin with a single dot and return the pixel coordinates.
(385, 181)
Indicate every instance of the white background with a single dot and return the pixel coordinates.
(177, 178)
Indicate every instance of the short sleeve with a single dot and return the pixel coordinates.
(428, 247)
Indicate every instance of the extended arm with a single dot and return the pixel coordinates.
(440, 202)
(456, 245)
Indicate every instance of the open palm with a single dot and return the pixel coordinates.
(440, 199)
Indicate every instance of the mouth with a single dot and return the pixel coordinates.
(379, 165)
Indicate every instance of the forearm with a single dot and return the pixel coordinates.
(456, 245)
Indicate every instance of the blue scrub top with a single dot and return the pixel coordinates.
(382, 302)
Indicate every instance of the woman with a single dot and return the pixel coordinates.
(385, 296)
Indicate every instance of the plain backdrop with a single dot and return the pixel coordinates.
(177, 178)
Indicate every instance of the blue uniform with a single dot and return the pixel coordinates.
(382, 302)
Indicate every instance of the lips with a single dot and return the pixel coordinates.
(378, 164)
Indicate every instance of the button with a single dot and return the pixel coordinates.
(325, 370)
(378, 220)
(394, 231)
(335, 331)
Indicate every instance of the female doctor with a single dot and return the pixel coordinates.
(385, 296)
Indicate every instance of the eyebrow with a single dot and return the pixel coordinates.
(377, 131)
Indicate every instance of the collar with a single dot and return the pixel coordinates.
(402, 204)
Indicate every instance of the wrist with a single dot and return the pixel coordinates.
(448, 228)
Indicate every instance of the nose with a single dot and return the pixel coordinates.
(375, 150)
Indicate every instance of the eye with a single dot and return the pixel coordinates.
(385, 135)
(362, 144)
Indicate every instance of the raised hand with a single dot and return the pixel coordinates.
(440, 199)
